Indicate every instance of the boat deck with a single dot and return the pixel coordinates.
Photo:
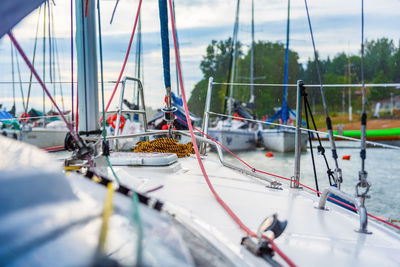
(312, 236)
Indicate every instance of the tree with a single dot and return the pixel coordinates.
(215, 64)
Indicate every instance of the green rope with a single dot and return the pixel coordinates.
(135, 201)
(138, 221)
(33, 62)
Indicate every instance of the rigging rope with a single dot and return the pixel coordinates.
(233, 63)
(12, 73)
(44, 59)
(363, 183)
(285, 107)
(135, 202)
(107, 212)
(33, 62)
(59, 72)
(19, 78)
(50, 40)
(220, 201)
(304, 94)
(321, 149)
(338, 171)
(231, 50)
(115, 8)
(30, 66)
(72, 62)
(126, 57)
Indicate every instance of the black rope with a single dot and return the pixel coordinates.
(148, 201)
(304, 94)
(321, 149)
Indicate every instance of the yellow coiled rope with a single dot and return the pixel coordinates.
(165, 145)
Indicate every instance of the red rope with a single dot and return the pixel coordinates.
(217, 197)
(288, 179)
(126, 56)
(86, 7)
(54, 149)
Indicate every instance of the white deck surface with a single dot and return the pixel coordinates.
(312, 237)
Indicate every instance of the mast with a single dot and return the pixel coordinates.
(252, 55)
(285, 108)
(86, 48)
(234, 43)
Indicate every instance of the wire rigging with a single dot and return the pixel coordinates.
(12, 75)
(338, 171)
(33, 61)
(20, 80)
(232, 50)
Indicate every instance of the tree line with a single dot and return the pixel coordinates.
(381, 65)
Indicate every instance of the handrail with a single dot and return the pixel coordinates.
(386, 85)
(206, 116)
(309, 130)
(362, 212)
(121, 100)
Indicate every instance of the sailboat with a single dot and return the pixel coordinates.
(235, 134)
(281, 138)
(36, 127)
(235, 216)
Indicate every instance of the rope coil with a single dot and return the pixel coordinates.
(165, 145)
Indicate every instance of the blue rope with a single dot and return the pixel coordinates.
(162, 4)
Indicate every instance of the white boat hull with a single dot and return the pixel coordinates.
(282, 140)
(39, 137)
(234, 140)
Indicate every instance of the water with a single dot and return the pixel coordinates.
(382, 165)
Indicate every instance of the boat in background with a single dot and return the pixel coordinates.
(282, 139)
(50, 136)
(236, 134)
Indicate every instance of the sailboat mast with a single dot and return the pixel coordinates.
(86, 48)
(234, 43)
(252, 55)
(285, 108)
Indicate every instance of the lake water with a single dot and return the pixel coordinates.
(382, 165)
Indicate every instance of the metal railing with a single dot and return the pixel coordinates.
(119, 110)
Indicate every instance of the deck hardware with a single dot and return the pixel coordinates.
(362, 212)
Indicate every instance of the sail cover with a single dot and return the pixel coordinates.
(13, 11)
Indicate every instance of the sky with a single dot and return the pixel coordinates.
(336, 25)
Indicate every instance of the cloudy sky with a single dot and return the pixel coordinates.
(336, 24)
